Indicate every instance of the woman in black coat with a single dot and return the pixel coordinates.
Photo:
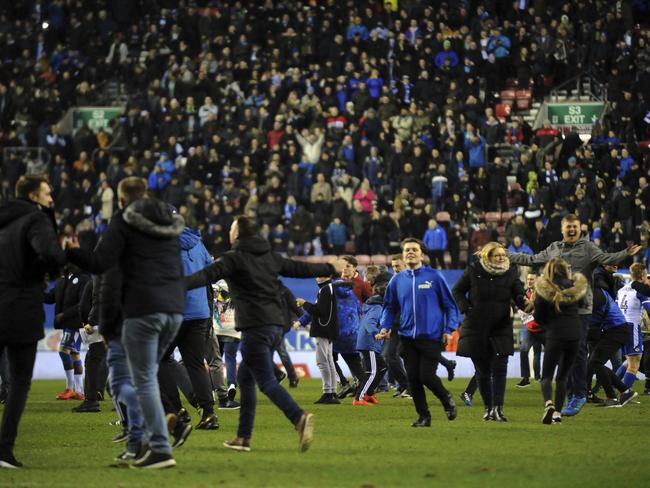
(558, 294)
(484, 294)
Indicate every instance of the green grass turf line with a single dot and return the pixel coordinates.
(353, 447)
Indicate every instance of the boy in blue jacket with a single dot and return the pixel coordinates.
(428, 316)
(370, 343)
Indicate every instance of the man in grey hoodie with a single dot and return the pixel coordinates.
(584, 257)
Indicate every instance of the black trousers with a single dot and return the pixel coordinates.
(421, 361)
(96, 372)
(560, 355)
(375, 368)
(191, 342)
(21, 366)
(437, 258)
(610, 341)
(491, 371)
(353, 360)
(394, 361)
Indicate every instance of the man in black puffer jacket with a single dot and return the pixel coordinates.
(251, 270)
(142, 241)
(28, 251)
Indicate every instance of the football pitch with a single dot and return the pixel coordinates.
(353, 446)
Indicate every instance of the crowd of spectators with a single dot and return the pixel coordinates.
(339, 125)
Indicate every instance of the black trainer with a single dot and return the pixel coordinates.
(181, 432)
(422, 421)
(450, 409)
(627, 396)
(549, 410)
(451, 370)
(154, 460)
(525, 382)
(497, 413)
(346, 390)
(87, 407)
(232, 392)
(208, 423)
(331, 399)
(487, 414)
(293, 383)
(7, 460)
(122, 436)
(228, 405)
(322, 398)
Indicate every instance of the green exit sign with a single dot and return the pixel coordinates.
(580, 115)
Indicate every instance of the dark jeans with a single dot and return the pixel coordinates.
(577, 380)
(472, 385)
(610, 341)
(421, 361)
(534, 341)
(256, 368)
(191, 342)
(491, 372)
(437, 258)
(21, 366)
(353, 360)
(394, 362)
(229, 350)
(96, 371)
(560, 355)
(286, 360)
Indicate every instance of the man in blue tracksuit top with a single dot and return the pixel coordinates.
(191, 341)
(428, 316)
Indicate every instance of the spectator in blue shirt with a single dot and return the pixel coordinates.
(435, 240)
(446, 54)
(357, 28)
(518, 245)
(337, 235)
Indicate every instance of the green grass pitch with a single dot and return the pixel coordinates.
(353, 446)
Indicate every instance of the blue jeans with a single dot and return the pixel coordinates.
(122, 389)
(229, 352)
(145, 341)
(577, 381)
(257, 347)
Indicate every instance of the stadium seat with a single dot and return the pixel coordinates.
(503, 111)
(507, 95)
(506, 216)
(379, 259)
(523, 94)
(523, 104)
(443, 217)
(363, 259)
(492, 217)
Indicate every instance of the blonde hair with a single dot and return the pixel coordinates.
(556, 268)
(484, 253)
(637, 271)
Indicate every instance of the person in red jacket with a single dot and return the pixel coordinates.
(362, 288)
(531, 337)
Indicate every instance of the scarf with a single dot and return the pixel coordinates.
(496, 269)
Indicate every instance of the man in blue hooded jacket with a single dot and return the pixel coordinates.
(428, 316)
(191, 341)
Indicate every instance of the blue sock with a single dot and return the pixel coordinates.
(621, 370)
(629, 379)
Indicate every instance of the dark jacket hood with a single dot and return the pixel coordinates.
(16, 209)
(189, 238)
(153, 217)
(253, 245)
(572, 291)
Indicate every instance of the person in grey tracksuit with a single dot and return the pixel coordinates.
(583, 256)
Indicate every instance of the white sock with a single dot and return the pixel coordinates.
(78, 383)
(69, 382)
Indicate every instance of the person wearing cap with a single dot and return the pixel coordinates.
(370, 343)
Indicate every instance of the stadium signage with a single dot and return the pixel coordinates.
(580, 115)
(96, 117)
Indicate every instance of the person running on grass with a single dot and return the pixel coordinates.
(251, 270)
(558, 297)
(428, 316)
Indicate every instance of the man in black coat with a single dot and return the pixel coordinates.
(142, 241)
(28, 251)
(251, 270)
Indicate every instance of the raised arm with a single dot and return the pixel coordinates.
(598, 256)
(527, 260)
(106, 255)
(220, 269)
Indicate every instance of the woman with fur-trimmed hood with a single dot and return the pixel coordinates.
(558, 294)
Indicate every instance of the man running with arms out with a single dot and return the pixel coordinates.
(428, 316)
(251, 270)
(583, 256)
